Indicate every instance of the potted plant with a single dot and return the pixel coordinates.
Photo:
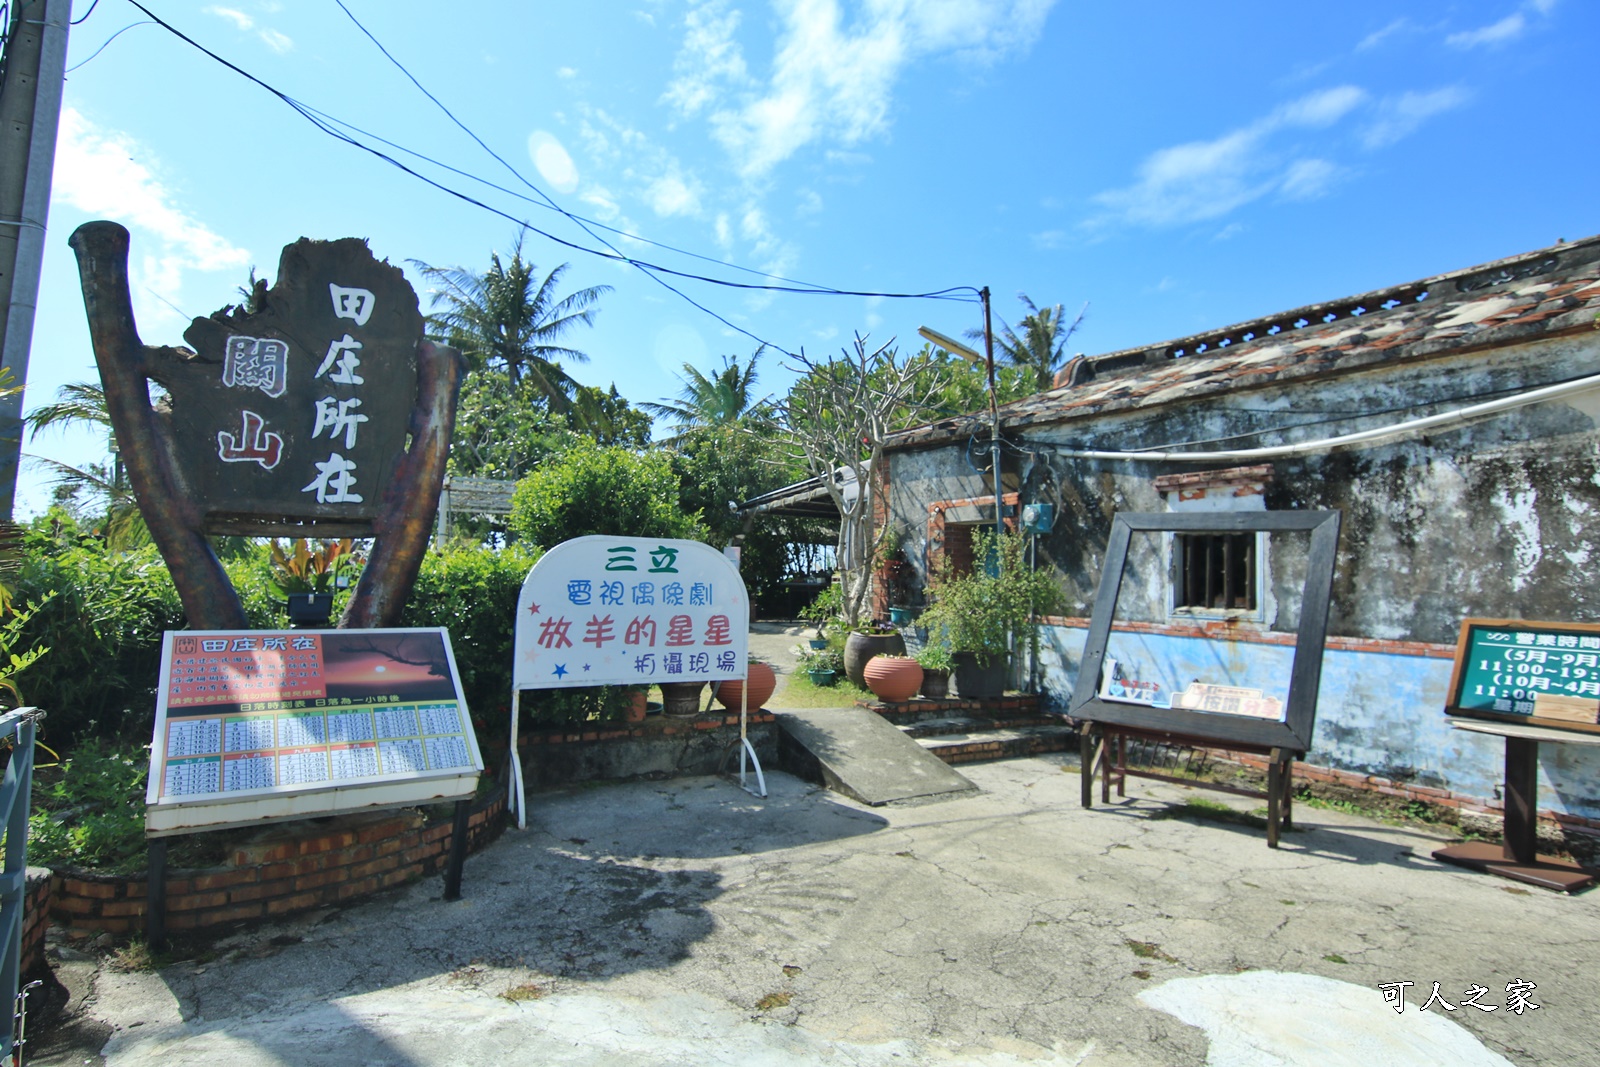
(307, 573)
(822, 666)
(821, 611)
(876, 638)
(936, 662)
(983, 615)
(893, 679)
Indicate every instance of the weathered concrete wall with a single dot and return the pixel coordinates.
(1496, 517)
(1377, 713)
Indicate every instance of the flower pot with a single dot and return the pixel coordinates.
(638, 707)
(935, 684)
(309, 610)
(980, 679)
(823, 679)
(892, 679)
(818, 643)
(858, 648)
(681, 698)
(763, 680)
(900, 616)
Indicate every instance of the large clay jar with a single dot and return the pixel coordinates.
(681, 698)
(893, 679)
(763, 681)
(858, 648)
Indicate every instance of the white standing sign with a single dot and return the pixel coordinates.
(627, 611)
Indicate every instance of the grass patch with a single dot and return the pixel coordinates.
(525, 991)
(1334, 957)
(1149, 950)
(135, 957)
(774, 1000)
(796, 691)
(1211, 811)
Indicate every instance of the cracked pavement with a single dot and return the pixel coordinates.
(687, 922)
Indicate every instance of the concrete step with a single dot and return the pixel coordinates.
(858, 753)
(988, 743)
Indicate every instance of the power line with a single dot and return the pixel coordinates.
(650, 268)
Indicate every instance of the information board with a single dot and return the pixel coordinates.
(1520, 670)
(259, 725)
(630, 611)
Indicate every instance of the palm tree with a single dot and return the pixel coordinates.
(723, 399)
(507, 319)
(1040, 343)
(84, 403)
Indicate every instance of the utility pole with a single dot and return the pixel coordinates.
(994, 421)
(30, 111)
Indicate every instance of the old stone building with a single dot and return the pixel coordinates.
(1455, 424)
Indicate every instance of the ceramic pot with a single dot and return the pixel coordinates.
(823, 679)
(763, 680)
(818, 643)
(900, 616)
(638, 707)
(978, 679)
(681, 698)
(935, 684)
(892, 679)
(858, 648)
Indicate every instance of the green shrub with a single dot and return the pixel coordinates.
(89, 811)
(594, 490)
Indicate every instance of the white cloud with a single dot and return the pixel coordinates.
(99, 172)
(566, 73)
(810, 203)
(278, 42)
(834, 71)
(1401, 115)
(1208, 179)
(1377, 37)
(550, 158)
(1498, 33)
(669, 195)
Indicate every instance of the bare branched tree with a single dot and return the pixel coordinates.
(836, 419)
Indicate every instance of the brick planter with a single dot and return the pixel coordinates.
(289, 868)
(659, 747)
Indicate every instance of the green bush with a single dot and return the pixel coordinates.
(89, 811)
(594, 490)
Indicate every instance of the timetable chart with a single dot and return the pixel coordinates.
(249, 770)
(401, 756)
(439, 719)
(302, 728)
(353, 761)
(193, 737)
(298, 766)
(247, 733)
(450, 751)
(192, 777)
(396, 722)
(351, 725)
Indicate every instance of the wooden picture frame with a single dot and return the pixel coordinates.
(1294, 732)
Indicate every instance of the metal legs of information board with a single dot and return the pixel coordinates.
(1518, 858)
(458, 851)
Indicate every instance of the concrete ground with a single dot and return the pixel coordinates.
(687, 922)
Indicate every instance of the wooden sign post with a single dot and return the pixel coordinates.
(1526, 682)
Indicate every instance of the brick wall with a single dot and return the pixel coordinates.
(292, 868)
(35, 918)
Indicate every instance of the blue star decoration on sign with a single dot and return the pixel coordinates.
(586, 667)
(561, 670)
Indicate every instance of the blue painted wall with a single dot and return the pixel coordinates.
(1377, 713)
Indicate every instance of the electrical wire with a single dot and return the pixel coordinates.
(613, 255)
(87, 13)
(113, 37)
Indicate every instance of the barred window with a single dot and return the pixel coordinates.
(1215, 571)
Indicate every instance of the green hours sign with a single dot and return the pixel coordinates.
(1516, 670)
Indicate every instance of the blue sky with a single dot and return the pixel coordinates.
(1176, 166)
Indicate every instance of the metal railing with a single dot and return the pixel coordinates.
(16, 799)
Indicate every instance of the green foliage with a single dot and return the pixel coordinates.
(591, 703)
(984, 612)
(310, 567)
(89, 811)
(821, 659)
(595, 490)
(16, 655)
(825, 608)
(936, 654)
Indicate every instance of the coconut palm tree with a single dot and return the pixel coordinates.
(84, 403)
(725, 398)
(1039, 343)
(507, 319)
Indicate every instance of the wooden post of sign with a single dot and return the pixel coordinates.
(1518, 857)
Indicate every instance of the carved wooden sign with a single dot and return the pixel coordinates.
(299, 410)
(322, 412)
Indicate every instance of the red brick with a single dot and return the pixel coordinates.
(256, 892)
(295, 903)
(97, 890)
(420, 853)
(195, 901)
(405, 874)
(437, 833)
(317, 881)
(232, 914)
(377, 866)
(390, 847)
(186, 921)
(76, 905)
(115, 926)
(122, 907)
(224, 879)
(360, 887)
